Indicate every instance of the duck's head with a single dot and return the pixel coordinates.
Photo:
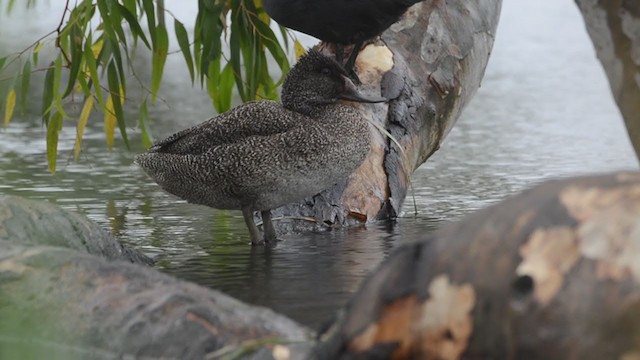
(317, 81)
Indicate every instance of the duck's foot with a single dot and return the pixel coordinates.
(267, 226)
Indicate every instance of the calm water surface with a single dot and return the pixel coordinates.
(544, 111)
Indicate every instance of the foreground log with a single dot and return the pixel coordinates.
(431, 64)
(552, 273)
(613, 26)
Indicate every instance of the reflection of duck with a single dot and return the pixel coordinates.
(262, 154)
(341, 22)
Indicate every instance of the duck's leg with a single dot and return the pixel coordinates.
(247, 213)
(267, 226)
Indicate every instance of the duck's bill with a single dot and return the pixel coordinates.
(351, 93)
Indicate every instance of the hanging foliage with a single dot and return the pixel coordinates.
(227, 51)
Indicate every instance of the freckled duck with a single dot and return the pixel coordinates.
(341, 22)
(263, 154)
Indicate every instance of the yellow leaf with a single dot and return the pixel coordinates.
(121, 95)
(96, 48)
(299, 49)
(10, 105)
(38, 48)
(110, 122)
(82, 122)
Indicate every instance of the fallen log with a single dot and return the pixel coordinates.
(551, 273)
(431, 63)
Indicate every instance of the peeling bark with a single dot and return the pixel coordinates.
(431, 64)
(551, 273)
(614, 28)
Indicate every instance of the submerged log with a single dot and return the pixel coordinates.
(614, 28)
(552, 273)
(430, 63)
(32, 223)
(68, 290)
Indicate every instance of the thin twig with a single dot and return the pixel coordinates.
(59, 32)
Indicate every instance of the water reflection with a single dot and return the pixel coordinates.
(531, 120)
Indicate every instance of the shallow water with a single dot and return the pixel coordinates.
(544, 111)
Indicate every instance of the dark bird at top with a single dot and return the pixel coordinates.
(341, 22)
(264, 154)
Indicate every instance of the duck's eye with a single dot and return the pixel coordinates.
(325, 71)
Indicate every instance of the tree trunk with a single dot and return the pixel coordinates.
(431, 63)
(614, 28)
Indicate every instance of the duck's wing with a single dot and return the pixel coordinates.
(250, 119)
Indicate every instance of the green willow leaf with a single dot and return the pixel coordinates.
(36, 51)
(227, 80)
(183, 41)
(47, 95)
(93, 71)
(53, 127)
(57, 77)
(149, 11)
(2, 61)
(235, 46)
(158, 59)
(24, 86)
(114, 89)
(134, 25)
(75, 42)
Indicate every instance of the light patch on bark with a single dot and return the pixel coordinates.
(547, 256)
(438, 328)
(609, 230)
(582, 203)
(375, 58)
(281, 352)
(632, 355)
(446, 323)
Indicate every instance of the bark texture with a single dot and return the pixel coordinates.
(614, 28)
(431, 64)
(551, 273)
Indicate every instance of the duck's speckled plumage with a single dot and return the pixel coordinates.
(264, 154)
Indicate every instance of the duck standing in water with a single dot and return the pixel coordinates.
(263, 154)
(341, 22)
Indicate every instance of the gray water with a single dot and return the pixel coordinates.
(544, 111)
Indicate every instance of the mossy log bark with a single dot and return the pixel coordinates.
(430, 63)
(614, 28)
(551, 273)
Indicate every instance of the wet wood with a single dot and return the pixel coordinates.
(431, 63)
(552, 273)
(62, 304)
(614, 28)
